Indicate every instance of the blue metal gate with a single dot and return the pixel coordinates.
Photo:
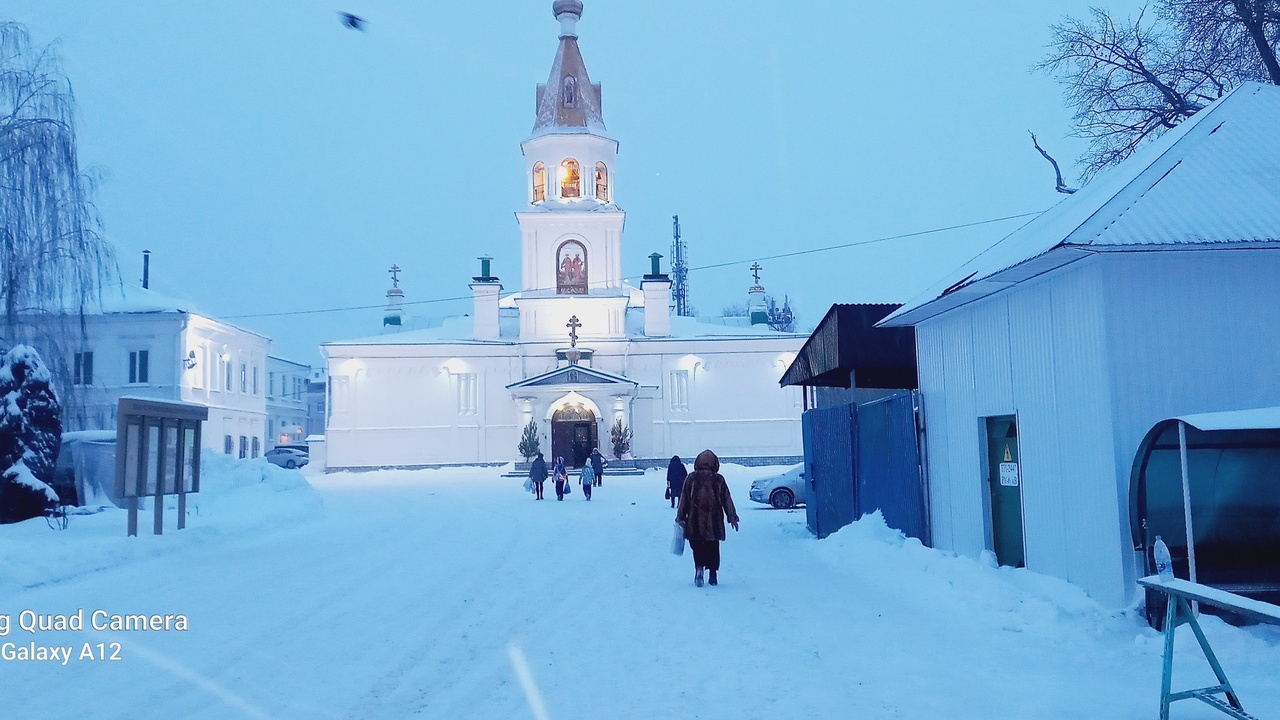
(830, 449)
(863, 458)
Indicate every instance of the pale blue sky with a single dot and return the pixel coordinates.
(274, 161)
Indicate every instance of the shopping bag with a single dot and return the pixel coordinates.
(667, 494)
(528, 484)
(568, 487)
(677, 541)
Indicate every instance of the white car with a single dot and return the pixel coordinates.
(287, 457)
(781, 491)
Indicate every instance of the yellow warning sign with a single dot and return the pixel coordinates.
(1008, 456)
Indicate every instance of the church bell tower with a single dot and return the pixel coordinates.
(571, 230)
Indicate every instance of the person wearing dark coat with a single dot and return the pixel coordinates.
(704, 506)
(561, 478)
(538, 474)
(597, 466)
(675, 479)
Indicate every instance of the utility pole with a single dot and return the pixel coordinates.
(679, 270)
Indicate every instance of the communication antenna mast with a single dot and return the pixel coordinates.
(679, 270)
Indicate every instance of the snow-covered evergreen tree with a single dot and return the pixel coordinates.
(30, 436)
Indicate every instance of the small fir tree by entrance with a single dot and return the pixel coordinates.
(621, 436)
(529, 441)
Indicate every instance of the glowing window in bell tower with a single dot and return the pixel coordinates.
(602, 182)
(570, 179)
(539, 182)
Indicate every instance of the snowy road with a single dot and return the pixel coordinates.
(433, 594)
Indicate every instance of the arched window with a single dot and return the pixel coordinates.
(569, 92)
(539, 182)
(602, 182)
(571, 269)
(570, 179)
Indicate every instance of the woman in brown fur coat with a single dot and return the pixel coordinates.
(704, 506)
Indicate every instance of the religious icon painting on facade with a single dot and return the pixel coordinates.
(571, 265)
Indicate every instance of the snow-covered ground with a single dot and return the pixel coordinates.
(453, 594)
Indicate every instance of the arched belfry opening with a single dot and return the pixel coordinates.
(570, 179)
(602, 182)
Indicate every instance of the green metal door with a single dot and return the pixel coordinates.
(1004, 478)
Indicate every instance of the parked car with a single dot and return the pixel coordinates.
(287, 457)
(781, 491)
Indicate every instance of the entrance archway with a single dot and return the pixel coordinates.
(574, 433)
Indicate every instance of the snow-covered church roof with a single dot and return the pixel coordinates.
(459, 330)
(1212, 181)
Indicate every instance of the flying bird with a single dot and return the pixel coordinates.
(354, 22)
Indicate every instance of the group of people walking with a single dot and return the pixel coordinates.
(701, 499)
(592, 475)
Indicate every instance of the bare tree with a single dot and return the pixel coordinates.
(1130, 80)
(53, 261)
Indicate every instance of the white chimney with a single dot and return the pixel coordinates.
(657, 301)
(485, 291)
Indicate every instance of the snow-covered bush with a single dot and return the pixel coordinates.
(30, 436)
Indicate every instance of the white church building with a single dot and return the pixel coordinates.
(576, 349)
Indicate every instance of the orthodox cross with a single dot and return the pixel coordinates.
(573, 326)
(755, 271)
(395, 275)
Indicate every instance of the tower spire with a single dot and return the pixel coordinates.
(568, 102)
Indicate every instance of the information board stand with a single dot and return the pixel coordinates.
(157, 454)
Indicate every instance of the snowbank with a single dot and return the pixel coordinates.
(1008, 597)
(239, 501)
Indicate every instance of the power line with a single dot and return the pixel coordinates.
(713, 266)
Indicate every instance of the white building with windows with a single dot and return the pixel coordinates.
(287, 401)
(142, 344)
(577, 349)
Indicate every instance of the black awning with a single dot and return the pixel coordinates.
(847, 349)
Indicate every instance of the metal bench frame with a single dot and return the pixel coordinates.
(1181, 594)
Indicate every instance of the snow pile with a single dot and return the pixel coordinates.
(1010, 598)
(238, 500)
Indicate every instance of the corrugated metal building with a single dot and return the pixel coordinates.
(1152, 292)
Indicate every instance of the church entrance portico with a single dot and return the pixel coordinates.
(570, 404)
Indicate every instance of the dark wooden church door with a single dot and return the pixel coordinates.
(573, 434)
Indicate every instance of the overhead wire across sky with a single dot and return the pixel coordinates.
(711, 266)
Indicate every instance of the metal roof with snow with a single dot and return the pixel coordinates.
(1213, 181)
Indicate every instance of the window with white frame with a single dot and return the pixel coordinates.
(680, 391)
(244, 378)
(468, 394)
(255, 382)
(226, 373)
(139, 372)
